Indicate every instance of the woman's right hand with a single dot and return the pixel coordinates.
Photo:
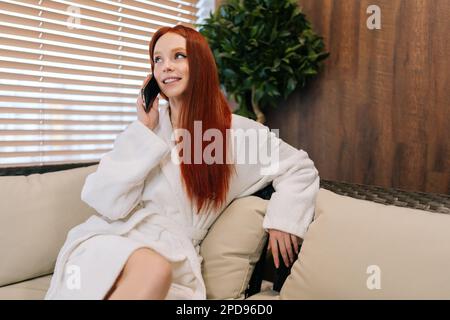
(150, 119)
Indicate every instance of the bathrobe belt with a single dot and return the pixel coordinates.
(195, 234)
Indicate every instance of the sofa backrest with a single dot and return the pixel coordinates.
(36, 213)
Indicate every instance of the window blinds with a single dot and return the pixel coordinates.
(70, 72)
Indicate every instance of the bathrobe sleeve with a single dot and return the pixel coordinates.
(294, 178)
(115, 188)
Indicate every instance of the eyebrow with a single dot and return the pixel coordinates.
(179, 48)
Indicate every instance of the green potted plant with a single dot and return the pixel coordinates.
(264, 50)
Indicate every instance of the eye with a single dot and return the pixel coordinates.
(176, 55)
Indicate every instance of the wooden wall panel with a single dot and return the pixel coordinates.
(379, 113)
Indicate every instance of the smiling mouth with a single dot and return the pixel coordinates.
(172, 81)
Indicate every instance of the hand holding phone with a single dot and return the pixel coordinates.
(149, 91)
(150, 118)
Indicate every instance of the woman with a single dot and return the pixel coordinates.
(153, 212)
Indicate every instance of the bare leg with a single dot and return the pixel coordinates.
(146, 275)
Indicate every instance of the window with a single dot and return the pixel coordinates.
(70, 72)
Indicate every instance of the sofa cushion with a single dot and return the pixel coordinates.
(267, 294)
(37, 212)
(357, 249)
(232, 247)
(34, 289)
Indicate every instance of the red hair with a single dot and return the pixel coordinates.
(205, 184)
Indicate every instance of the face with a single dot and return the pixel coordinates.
(170, 60)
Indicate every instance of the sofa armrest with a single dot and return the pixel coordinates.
(265, 269)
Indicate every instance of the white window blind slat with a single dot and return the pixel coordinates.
(65, 87)
(55, 135)
(76, 48)
(17, 107)
(19, 71)
(70, 73)
(11, 50)
(90, 68)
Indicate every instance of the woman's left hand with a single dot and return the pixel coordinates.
(285, 243)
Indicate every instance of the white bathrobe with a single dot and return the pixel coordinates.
(138, 181)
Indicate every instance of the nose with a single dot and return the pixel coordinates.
(167, 66)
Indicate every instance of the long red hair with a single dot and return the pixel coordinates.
(205, 184)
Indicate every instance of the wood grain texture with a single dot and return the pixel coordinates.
(379, 113)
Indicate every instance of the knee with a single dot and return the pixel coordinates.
(146, 275)
(162, 269)
(151, 266)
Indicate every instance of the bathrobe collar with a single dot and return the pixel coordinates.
(168, 167)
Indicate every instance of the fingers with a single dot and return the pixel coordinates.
(295, 242)
(283, 252)
(285, 244)
(140, 100)
(139, 104)
(156, 102)
(146, 79)
(154, 108)
(288, 244)
(274, 246)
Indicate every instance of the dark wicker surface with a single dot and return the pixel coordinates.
(417, 200)
(26, 171)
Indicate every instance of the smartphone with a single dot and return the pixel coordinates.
(149, 93)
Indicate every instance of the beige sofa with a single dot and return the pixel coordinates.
(354, 249)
